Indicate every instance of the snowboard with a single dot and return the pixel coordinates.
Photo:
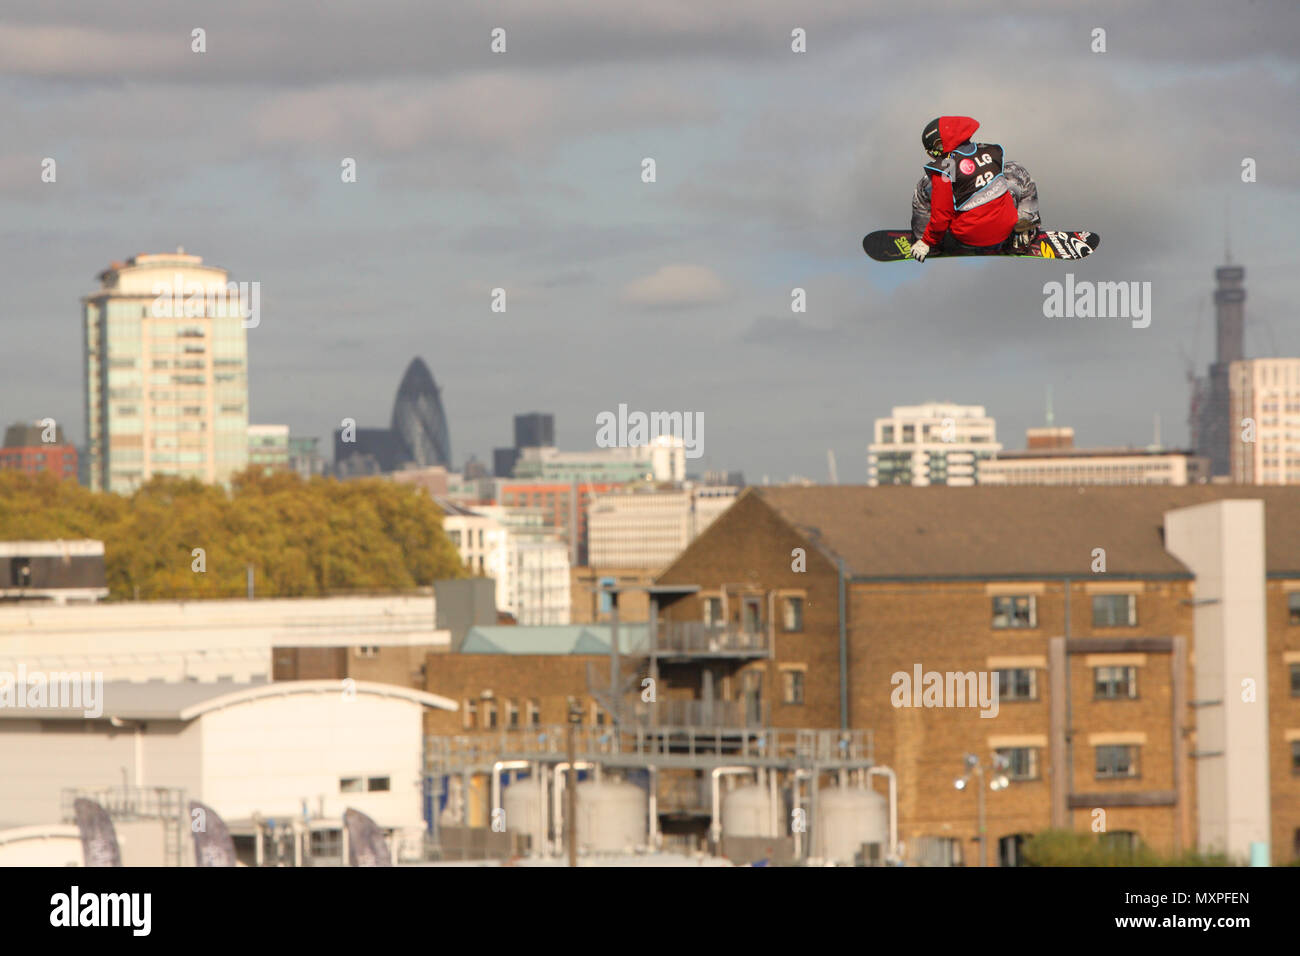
(894, 245)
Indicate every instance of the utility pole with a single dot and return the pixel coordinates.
(571, 798)
(615, 677)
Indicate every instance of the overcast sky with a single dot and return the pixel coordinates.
(522, 170)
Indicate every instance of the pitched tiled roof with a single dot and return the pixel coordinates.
(900, 531)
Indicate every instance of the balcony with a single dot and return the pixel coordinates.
(699, 714)
(695, 640)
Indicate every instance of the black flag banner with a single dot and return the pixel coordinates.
(98, 838)
(366, 843)
(212, 843)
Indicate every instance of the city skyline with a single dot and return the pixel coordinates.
(522, 171)
(417, 378)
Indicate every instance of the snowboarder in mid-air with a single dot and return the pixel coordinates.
(971, 200)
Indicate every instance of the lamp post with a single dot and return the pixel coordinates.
(571, 797)
(1000, 782)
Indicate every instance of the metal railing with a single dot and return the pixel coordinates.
(681, 712)
(447, 754)
(697, 637)
(129, 803)
(167, 804)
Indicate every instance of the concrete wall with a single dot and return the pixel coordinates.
(40, 758)
(1223, 543)
(266, 756)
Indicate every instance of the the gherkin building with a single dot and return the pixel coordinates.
(419, 423)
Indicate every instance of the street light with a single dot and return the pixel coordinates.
(575, 718)
(1000, 782)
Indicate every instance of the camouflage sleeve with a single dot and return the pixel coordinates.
(1023, 190)
(921, 206)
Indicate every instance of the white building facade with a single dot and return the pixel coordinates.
(648, 528)
(664, 459)
(1100, 466)
(166, 372)
(289, 750)
(1264, 400)
(529, 563)
(938, 443)
(204, 641)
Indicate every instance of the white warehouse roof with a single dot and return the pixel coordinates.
(184, 701)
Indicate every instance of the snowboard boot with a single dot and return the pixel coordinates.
(1022, 237)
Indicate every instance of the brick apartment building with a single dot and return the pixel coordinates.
(514, 678)
(1104, 704)
(589, 606)
(25, 451)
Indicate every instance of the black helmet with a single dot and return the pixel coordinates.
(931, 141)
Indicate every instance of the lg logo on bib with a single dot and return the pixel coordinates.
(966, 166)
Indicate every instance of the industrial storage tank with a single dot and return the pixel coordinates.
(848, 818)
(612, 816)
(747, 812)
(523, 803)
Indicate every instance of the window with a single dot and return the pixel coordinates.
(751, 696)
(325, 843)
(937, 851)
(20, 572)
(470, 712)
(351, 785)
(713, 612)
(1295, 756)
(1115, 683)
(1012, 611)
(792, 619)
(534, 714)
(1295, 680)
(1022, 762)
(512, 715)
(455, 537)
(490, 714)
(1011, 850)
(368, 651)
(1114, 610)
(1018, 684)
(792, 687)
(1116, 761)
(1293, 607)
(378, 784)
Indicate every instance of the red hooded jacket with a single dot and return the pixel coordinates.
(984, 225)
